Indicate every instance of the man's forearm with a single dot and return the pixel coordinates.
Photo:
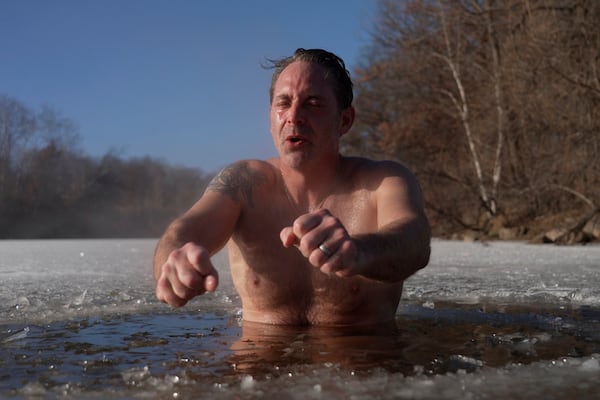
(169, 241)
(395, 252)
(161, 253)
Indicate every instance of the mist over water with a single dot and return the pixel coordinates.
(78, 319)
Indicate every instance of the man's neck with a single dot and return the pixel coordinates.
(309, 187)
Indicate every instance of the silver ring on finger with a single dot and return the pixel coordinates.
(326, 250)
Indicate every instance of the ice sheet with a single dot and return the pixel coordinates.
(57, 279)
(508, 272)
(47, 280)
(78, 319)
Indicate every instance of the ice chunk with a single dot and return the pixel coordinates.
(247, 382)
(34, 389)
(590, 365)
(22, 302)
(134, 376)
(80, 299)
(17, 336)
(459, 362)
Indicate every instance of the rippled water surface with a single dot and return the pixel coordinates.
(78, 319)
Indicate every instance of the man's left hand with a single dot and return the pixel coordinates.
(325, 242)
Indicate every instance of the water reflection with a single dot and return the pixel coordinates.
(215, 351)
(424, 341)
(267, 348)
(498, 335)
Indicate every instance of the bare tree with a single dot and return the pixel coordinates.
(494, 103)
(17, 126)
(452, 57)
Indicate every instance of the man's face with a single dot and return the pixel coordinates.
(306, 122)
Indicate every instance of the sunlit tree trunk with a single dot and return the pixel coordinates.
(452, 60)
(498, 95)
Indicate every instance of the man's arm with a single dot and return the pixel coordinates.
(395, 252)
(401, 246)
(398, 248)
(182, 266)
(209, 223)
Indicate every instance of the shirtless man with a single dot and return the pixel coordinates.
(314, 238)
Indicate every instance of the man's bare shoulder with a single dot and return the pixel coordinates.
(360, 169)
(241, 179)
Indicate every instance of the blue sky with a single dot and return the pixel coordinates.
(178, 80)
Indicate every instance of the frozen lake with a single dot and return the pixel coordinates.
(78, 319)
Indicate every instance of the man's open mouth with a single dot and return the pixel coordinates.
(296, 139)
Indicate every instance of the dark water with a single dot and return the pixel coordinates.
(214, 355)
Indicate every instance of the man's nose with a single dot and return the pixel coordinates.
(295, 115)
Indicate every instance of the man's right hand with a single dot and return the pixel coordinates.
(187, 273)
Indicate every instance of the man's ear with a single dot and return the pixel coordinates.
(347, 120)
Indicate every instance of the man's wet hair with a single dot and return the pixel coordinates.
(335, 66)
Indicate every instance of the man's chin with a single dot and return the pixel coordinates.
(295, 159)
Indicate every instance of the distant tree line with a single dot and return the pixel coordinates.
(49, 188)
(494, 103)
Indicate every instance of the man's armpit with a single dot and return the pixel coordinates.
(237, 181)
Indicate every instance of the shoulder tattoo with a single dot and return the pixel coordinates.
(237, 181)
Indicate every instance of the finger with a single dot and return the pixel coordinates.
(189, 276)
(183, 290)
(171, 290)
(343, 262)
(312, 239)
(331, 234)
(321, 254)
(332, 265)
(207, 283)
(211, 282)
(198, 257)
(187, 270)
(202, 276)
(195, 283)
(305, 223)
(165, 293)
(288, 238)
